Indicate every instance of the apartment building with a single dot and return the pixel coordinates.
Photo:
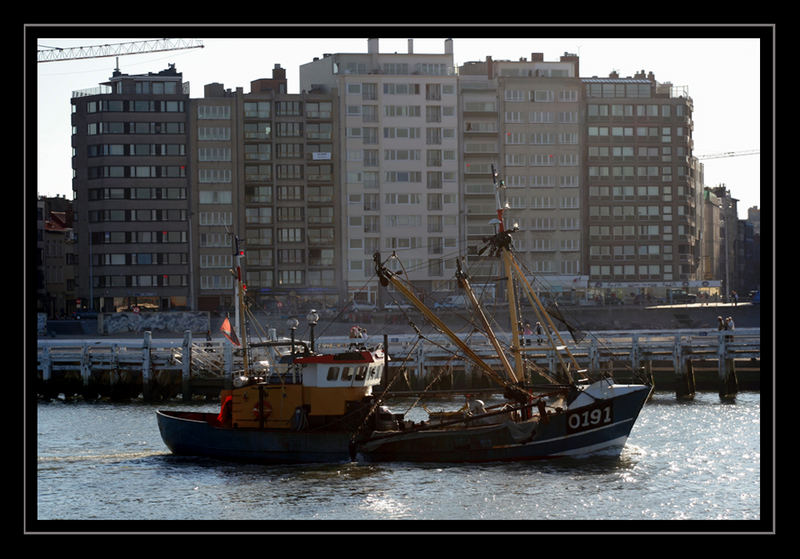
(55, 257)
(642, 187)
(131, 192)
(165, 183)
(712, 237)
(265, 166)
(388, 152)
(729, 233)
(399, 162)
(217, 201)
(524, 117)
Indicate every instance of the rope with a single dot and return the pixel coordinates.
(379, 400)
(602, 346)
(496, 377)
(335, 318)
(431, 383)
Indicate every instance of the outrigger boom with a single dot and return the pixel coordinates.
(499, 244)
(585, 417)
(386, 276)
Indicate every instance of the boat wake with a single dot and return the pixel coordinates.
(108, 458)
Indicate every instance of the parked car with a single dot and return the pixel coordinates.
(680, 296)
(397, 306)
(360, 306)
(451, 302)
(328, 312)
(85, 315)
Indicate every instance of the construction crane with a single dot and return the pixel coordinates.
(729, 154)
(52, 54)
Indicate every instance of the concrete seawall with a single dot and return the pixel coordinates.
(662, 318)
(614, 317)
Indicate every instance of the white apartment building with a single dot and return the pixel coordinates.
(524, 116)
(398, 131)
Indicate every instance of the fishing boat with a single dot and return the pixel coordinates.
(296, 405)
(570, 414)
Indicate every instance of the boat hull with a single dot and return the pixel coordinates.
(199, 434)
(602, 426)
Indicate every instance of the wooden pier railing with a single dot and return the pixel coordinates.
(165, 368)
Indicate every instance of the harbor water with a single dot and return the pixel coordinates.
(697, 459)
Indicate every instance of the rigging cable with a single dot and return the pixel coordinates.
(379, 400)
(601, 345)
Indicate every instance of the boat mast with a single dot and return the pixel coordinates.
(518, 372)
(239, 289)
(501, 243)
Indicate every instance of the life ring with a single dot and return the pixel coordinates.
(267, 410)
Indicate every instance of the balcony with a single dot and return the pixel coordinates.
(480, 107)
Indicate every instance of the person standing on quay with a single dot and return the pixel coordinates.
(539, 332)
(729, 326)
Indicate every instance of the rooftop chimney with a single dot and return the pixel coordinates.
(372, 46)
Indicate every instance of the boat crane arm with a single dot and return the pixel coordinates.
(386, 277)
(542, 314)
(463, 282)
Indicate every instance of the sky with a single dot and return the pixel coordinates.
(723, 76)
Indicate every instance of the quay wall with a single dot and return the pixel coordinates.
(178, 322)
(114, 324)
(613, 317)
(664, 317)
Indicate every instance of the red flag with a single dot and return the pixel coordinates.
(228, 332)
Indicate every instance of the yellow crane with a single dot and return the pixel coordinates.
(53, 54)
(729, 154)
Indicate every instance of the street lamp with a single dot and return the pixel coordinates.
(312, 317)
(292, 324)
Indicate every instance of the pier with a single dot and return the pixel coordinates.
(683, 361)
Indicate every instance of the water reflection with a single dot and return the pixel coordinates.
(694, 459)
(384, 507)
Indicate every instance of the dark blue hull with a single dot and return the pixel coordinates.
(602, 426)
(196, 434)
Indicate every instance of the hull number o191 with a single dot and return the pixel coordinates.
(590, 418)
